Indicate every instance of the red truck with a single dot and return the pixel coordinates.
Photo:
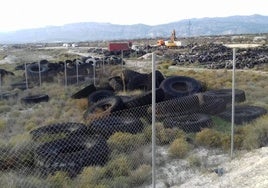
(119, 46)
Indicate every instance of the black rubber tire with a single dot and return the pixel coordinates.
(128, 75)
(68, 128)
(85, 92)
(145, 99)
(159, 77)
(189, 123)
(177, 106)
(213, 106)
(116, 83)
(99, 95)
(103, 108)
(33, 71)
(71, 155)
(109, 125)
(35, 99)
(139, 82)
(179, 86)
(243, 114)
(226, 94)
(73, 79)
(8, 95)
(20, 85)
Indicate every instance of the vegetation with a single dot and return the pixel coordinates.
(129, 163)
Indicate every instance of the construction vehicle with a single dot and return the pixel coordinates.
(172, 43)
(160, 42)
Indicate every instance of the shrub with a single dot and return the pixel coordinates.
(5, 108)
(82, 104)
(256, 134)
(140, 175)
(194, 161)
(125, 142)
(208, 137)
(59, 179)
(119, 166)
(91, 177)
(226, 141)
(163, 135)
(3, 124)
(179, 148)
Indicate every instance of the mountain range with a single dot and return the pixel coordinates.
(92, 31)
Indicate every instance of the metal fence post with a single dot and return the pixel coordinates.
(233, 104)
(65, 75)
(1, 85)
(153, 122)
(39, 67)
(94, 73)
(26, 75)
(76, 72)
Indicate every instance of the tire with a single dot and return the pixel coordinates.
(128, 75)
(213, 106)
(66, 128)
(109, 125)
(8, 95)
(103, 108)
(243, 114)
(139, 82)
(20, 85)
(177, 106)
(99, 95)
(73, 79)
(145, 99)
(189, 123)
(179, 86)
(116, 83)
(85, 92)
(159, 77)
(226, 94)
(35, 99)
(72, 155)
(33, 71)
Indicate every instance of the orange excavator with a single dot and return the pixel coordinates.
(170, 43)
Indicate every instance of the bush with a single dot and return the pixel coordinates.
(59, 179)
(119, 166)
(163, 136)
(3, 124)
(239, 136)
(194, 161)
(140, 175)
(256, 134)
(91, 177)
(125, 142)
(208, 137)
(179, 148)
(5, 108)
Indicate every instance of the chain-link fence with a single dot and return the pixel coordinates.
(109, 142)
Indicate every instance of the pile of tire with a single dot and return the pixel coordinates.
(243, 113)
(8, 95)
(33, 99)
(35, 70)
(77, 148)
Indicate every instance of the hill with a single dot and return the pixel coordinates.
(92, 31)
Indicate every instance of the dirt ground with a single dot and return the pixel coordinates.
(247, 169)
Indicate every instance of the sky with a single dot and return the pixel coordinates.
(24, 14)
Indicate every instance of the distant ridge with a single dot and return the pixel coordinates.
(92, 31)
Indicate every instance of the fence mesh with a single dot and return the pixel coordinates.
(109, 144)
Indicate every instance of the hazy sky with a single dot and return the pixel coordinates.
(18, 14)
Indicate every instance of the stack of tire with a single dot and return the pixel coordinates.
(37, 70)
(218, 102)
(75, 148)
